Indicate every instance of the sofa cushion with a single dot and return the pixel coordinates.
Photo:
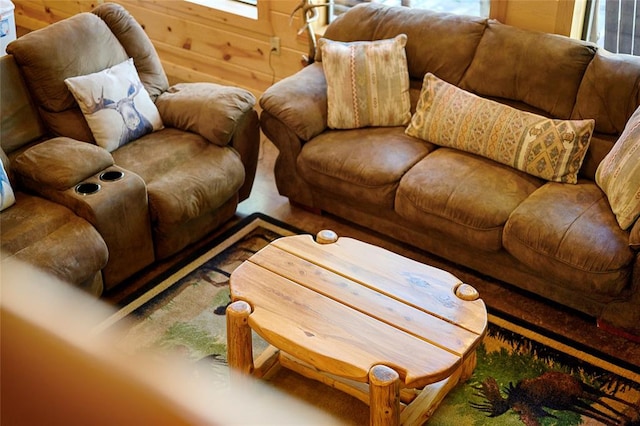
(367, 83)
(35, 228)
(619, 174)
(186, 175)
(46, 60)
(568, 234)
(361, 164)
(441, 43)
(541, 70)
(137, 44)
(463, 195)
(20, 123)
(115, 104)
(609, 91)
(546, 148)
(634, 236)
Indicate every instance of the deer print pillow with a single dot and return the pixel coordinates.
(115, 104)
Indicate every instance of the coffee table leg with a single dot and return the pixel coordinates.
(239, 345)
(384, 394)
(468, 366)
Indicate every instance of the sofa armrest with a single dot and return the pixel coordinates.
(60, 163)
(246, 142)
(634, 236)
(210, 110)
(300, 101)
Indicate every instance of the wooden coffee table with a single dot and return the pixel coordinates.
(395, 333)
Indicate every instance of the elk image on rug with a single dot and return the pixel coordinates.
(522, 376)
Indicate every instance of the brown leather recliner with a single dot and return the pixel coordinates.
(166, 189)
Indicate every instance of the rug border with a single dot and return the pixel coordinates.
(155, 286)
(566, 341)
(567, 346)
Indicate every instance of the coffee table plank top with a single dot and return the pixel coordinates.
(329, 305)
(425, 287)
(316, 330)
(380, 306)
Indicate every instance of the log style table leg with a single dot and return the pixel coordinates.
(239, 344)
(384, 394)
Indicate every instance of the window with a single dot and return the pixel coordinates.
(246, 8)
(614, 25)
(460, 7)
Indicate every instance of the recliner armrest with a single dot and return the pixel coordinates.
(210, 110)
(116, 204)
(60, 163)
(300, 101)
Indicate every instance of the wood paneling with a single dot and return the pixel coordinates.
(550, 16)
(199, 43)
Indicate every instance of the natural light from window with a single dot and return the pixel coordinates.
(613, 24)
(246, 8)
(459, 7)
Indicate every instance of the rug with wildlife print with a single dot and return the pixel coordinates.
(522, 377)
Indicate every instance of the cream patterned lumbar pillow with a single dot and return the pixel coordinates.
(115, 104)
(618, 175)
(367, 83)
(543, 147)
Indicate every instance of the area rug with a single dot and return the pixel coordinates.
(522, 376)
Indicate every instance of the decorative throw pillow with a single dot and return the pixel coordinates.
(618, 175)
(367, 83)
(115, 104)
(543, 147)
(7, 198)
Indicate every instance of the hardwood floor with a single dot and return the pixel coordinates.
(543, 314)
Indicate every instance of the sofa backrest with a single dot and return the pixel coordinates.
(538, 69)
(439, 43)
(548, 74)
(19, 121)
(82, 44)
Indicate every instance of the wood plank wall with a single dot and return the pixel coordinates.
(198, 43)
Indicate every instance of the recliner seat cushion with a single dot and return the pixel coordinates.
(186, 175)
(569, 234)
(362, 164)
(463, 195)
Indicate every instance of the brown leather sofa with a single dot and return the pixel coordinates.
(93, 216)
(560, 241)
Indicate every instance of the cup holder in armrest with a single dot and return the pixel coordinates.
(111, 175)
(87, 188)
